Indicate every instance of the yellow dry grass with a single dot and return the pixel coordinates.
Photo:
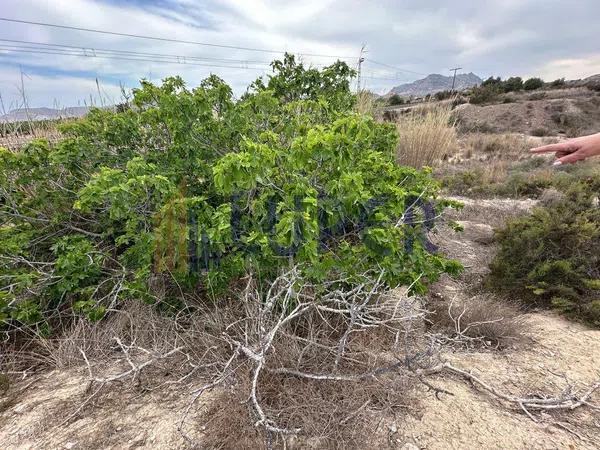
(427, 136)
(365, 103)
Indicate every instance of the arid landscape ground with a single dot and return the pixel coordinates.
(545, 354)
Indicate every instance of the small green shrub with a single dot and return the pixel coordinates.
(551, 257)
(396, 100)
(491, 81)
(558, 83)
(512, 84)
(485, 94)
(533, 83)
(443, 95)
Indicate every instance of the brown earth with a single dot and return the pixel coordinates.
(567, 112)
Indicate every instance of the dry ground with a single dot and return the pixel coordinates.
(567, 112)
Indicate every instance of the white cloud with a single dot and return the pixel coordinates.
(571, 68)
(54, 91)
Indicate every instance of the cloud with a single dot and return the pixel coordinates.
(550, 38)
(54, 90)
(572, 68)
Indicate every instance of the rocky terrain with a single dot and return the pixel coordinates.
(567, 112)
(435, 83)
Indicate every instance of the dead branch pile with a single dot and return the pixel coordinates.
(306, 363)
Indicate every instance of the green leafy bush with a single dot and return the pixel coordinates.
(491, 81)
(199, 188)
(443, 95)
(512, 84)
(551, 258)
(533, 83)
(485, 93)
(396, 100)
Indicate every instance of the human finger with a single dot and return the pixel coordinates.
(553, 148)
(570, 158)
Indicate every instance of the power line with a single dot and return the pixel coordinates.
(394, 67)
(122, 58)
(129, 52)
(155, 38)
(89, 52)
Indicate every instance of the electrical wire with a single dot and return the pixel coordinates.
(155, 38)
(134, 53)
(122, 58)
(399, 69)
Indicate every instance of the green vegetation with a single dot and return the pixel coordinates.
(443, 95)
(551, 258)
(486, 93)
(492, 88)
(533, 83)
(200, 189)
(525, 179)
(396, 100)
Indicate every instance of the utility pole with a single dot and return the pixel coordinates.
(454, 77)
(360, 61)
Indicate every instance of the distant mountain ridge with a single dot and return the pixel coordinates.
(34, 114)
(435, 83)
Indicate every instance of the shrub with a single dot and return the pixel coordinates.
(551, 258)
(540, 132)
(443, 95)
(201, 189)
(485, 94)
(491, 81)
(396, 100)
(537, 96)
(533, 83)
(558, 83)
(512, 84)
(427, 136)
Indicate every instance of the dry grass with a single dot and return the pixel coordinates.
(508, 145)
(135, 322)
(480, 320)
(365, 103)
(16, 141)
(427, 136)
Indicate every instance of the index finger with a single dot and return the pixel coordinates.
(553, 148)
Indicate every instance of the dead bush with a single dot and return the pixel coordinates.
(479, 321)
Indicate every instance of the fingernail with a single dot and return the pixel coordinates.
(557, 163)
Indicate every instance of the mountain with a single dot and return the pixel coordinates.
(22, 114)
(434, 83)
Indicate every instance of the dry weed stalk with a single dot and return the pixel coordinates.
(427, 136)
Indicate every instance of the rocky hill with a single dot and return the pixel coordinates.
(435, 83)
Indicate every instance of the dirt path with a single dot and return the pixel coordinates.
(559, 353)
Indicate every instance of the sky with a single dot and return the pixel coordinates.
(403, 40)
